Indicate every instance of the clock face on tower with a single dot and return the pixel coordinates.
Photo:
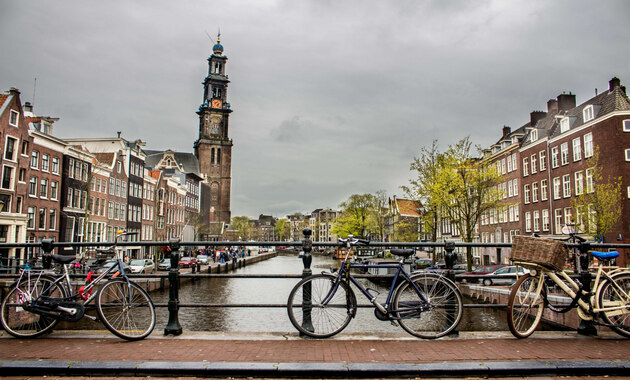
(216, 103)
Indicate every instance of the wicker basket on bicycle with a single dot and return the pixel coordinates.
(548, 253)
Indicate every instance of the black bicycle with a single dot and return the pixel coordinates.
(425, 304)
(39, 299)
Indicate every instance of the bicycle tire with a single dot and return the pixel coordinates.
(24, 324)
(610, 295)
(525, 305)
(317, 320)
(445, 306)
(125, 309)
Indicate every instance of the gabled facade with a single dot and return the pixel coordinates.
(403, 220)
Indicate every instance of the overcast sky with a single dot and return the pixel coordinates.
(330, 98)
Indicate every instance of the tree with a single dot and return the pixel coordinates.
(357, 216)
(282, 229)
(244, 227)
(380, 213)
(456, 186)
(597, 207)
(405, 230)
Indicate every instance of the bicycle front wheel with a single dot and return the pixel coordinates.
(311, 316)
(435, 316)
(615, 295)
(526, 305)
(24, 324)
(126, 309)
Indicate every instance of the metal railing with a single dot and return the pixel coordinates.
(175, 245)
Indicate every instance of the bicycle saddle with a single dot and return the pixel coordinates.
(402, 252)
(62, 259)
(605, 255)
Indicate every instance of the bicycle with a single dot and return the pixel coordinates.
(609, 300)
(426, 305)
(39, 299)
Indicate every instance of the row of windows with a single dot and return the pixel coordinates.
(43, 190)
(47, 164)
(78, 170)
(488, 237)
(505, 214)
(562, 185)
(46, 219)
(10, 148)
(117, 187)
(77, 198)
(559, 155)
(507, 165)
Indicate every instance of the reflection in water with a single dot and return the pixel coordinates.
(276, 291)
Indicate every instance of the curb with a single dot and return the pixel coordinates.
(315, 370)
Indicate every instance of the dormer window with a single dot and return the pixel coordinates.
(533, 135)
(564, 125)
(514, 139)
(588, 113)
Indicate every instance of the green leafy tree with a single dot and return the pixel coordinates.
(406, 230)
(597, 207)
(357, 217)
(282, 229)
(244, 226)
(380, 213)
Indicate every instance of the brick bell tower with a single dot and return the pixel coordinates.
(213, 149)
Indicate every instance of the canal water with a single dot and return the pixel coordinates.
(276, 291)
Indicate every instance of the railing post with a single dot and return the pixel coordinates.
(173, 326)
(47, 247)
(307, 247)
(586, 327)
(450, 258)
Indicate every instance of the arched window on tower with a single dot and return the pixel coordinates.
(218, 155)
(214, 192)
(217, 67)
(212, 156)
(216, 92)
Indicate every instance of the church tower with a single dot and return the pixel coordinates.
(213, 149)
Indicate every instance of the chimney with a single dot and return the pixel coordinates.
(28, 107)
(14, 91)
(552, 106)
(566, 101)
(534, 116)
(119, 133)
(615, 82)
(506, 130)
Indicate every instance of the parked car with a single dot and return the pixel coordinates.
(142, 266)
(457, 268)
(421, 264)
(187, 262)
(94, 264)
(202, 259)
(109, 263)
(476, 275)
(164, 264)
(506, 276)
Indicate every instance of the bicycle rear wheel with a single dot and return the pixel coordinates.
(616, 294)
(24, 324)
(126, 309)
(526, 305)
(444, 306)
(310, 316)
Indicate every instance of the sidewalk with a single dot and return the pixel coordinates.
(275, 355)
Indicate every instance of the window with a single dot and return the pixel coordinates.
(568, 216)
(30, 224)
(53, 190)
(110, 211)
(526, 193)
(566, 185)
(557, 187)
(52, 219)
(509, 164)
(564, 125)
(43, 188)
(588, 113)
(534, 192)
(545, 220)
(9, 149)
(22, 175)
(71, 168)
(516, 213)
(45, 162)
(528, 222)
(35, 159)
(626, 125)
(32, 186)
(554, 157)
(55, 165)
(510, 192)
(590, 187)
(536, 221)
(558, 220)
(112, 186)
(543, 190)
(588, 145)
(525, 167)
(514, 162)
(533, 135)
(42, 218)
(533, 160)
(577, 149)
(7, 177)
(14, 118)
(564, 153)
(627, 154)
(24, 148)
(579, 183)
